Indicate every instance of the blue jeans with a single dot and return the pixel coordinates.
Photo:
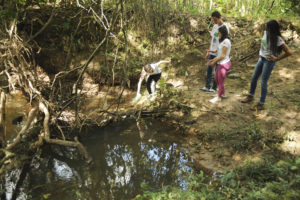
(263, 68)
(209, 71)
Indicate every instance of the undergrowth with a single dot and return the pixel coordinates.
(264, 180)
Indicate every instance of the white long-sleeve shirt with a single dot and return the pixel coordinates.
(156, 70)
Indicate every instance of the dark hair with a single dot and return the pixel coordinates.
(273, 31)
(224, 33)
(216, 14)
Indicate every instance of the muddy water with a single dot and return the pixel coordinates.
(16, 110)
(125, 156)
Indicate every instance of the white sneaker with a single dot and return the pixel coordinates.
(151, 97)
(223, 96)
(215, 100)
(205, 89)
(211, 90)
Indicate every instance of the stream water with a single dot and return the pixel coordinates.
(126, 156)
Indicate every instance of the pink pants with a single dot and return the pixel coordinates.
(220, 77)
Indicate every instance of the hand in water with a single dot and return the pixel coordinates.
(136, 98)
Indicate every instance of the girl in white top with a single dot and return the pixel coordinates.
(214, 44)
(223, 62)
(212, 51)
(272, 45)
(154, 73)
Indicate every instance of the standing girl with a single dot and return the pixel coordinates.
(223, 62)
(271, 46)
(212, 51)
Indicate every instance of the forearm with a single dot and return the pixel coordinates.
(282, 56)
(287, 52)
(219, 58)
(139, 85)
(163, 61)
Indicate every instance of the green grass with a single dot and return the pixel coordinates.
(265, 180)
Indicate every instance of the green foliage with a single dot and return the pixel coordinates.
(243, 137)
(263, 180)
(7, 14)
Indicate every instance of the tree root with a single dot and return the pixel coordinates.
(45, 136)
(7, 156)
(32, 114)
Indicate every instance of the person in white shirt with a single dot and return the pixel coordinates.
(212, 51)
(223, 62)
(271, 46)
(154, 73)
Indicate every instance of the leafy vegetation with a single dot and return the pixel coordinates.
(132, 31)
(262, 180)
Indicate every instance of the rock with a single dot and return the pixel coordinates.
(234, 75)
(251, 65)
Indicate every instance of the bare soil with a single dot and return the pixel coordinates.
(227, 133)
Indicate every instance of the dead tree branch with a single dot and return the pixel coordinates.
(2, 118)
(45, 135)
(44, 26)
(32, 114)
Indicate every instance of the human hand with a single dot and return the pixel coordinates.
(211, 63)
(272, 58)
(136, 98)
(167, 60)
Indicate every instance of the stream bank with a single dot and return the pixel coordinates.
(220, 137)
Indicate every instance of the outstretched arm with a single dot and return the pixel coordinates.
(142, 76)
(163, 61)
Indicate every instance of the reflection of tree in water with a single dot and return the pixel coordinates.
(121, 162)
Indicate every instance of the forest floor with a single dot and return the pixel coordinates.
(222, 135)
(228, 134)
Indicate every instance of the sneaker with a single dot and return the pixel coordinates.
(205, 89)
(248, 99)
(258, 107)
(151, 97)
(223, 96)
(211, 90)
(215, 100)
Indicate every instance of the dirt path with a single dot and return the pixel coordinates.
(228, 132)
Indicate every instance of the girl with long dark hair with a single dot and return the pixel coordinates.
(270, 52)
(223, 62)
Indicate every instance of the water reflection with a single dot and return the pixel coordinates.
(123, 160)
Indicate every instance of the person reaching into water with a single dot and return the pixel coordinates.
(153, 74)
(272, 45)
(223, 62)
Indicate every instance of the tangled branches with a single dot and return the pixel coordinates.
(18, 65)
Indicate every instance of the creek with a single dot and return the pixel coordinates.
(127, 157)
